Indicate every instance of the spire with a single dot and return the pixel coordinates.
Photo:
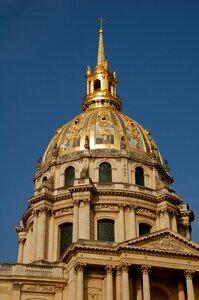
(101, 56)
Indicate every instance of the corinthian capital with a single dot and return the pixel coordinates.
(124, 267)
(79, 267)
(189, 274)
(109, 270)
(145, 269)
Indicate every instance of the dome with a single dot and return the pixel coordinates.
(101, 126)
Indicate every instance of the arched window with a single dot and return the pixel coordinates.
(105, 173)
(144, 229)
(97, 85)
(45, 181)
(69, 176)
(106, 230)
(139, 176)
(66, 234)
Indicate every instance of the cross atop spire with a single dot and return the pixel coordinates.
(101, 22)
(101, 56)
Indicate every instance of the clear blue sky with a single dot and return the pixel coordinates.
(45, 47)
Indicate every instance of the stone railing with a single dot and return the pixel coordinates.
(30, 270)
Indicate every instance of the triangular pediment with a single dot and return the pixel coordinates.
(164, 240)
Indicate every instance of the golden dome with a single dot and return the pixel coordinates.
(101, 128)
(101, 125)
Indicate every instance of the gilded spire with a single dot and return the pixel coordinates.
(101, 56)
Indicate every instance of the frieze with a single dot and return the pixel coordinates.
(106, 206)
(166, 243)
(63, 210)
(38, 288)
(146, 212)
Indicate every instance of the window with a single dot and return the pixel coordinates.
(66, 233)
(105, 173)
(106, 230)
(69, 176)
(139, 176)
(97, 85)
(144, 229)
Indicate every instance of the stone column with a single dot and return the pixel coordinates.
(59, 292)
(181, 293)
(75, 221)
(79, 268)
(189, 282)
(166, 219)
(35, 229)
(187, 231)
(121, 229)
(138, 288)
(51, 236)
(87, 219)
(125, 282)
(174, 222)
(20, 250)
(133, 221)
(109, 282)
(157, 222)
(145, 280)
(16, 291)
(41, 235)
(118, 283)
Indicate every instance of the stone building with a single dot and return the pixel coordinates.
(104, 222)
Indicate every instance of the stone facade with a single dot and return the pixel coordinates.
(104, 222)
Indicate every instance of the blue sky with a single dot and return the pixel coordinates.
(45, 47)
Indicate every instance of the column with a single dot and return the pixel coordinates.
(166, 219)
(187, 231)
(75, 221)
(118, 283)
(51, 236)
(16, 291)
(41, 234)
(189, 282)
(109, 282)
(174, 222)
(87, 219)
(20, 250)
(125, 282)
(181, 293)
(121, 233)
(59, 292)
(133, 221)
(79, 268)
(35, 227)
(138, 288)
(145, 280)
(157, 221)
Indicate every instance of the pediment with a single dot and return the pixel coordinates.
(164, 240)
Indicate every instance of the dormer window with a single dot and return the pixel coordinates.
(139, 176)
(105, 173)
(97, 85)
(69, 176)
